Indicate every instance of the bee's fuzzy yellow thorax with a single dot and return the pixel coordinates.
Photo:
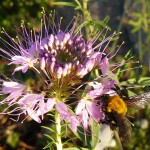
(117, 104)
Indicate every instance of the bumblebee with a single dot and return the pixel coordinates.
(115, 108)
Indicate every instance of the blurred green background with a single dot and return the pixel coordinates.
(131, 17)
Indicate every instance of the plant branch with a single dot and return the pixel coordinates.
(58, 131)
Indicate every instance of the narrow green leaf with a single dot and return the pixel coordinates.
(95, 129)
(81, 135)
(85, 138)
(123, 65)
(77, 8)
(144, 81)
(74, 148)
(50, 129)
(49, 145)
(49, 114)
(65, 4)
(48, 136)
(78, 3)
(131, 93)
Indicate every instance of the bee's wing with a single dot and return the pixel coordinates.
(125, 129)
(139, 101)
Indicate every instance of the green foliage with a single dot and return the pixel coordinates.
(140, 138)
(25, 10)
(75, 148)
(76, 4)
(140, 18)
(51, 139)
(90, 25)
(143, 81)
(13, 139)
(94, 26)
(72, 4)
(95, 128)
(12, 12)
(123, 65)
(140, 22)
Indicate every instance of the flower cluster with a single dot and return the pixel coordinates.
(60, 60)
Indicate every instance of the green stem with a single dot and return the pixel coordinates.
(140, 44)
(121, 22)
(58, 131)
(85, 15)
(85, 10)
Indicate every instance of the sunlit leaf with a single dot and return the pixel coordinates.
(95, 129)
(48, 128)
(64, 4)
(74, 148)
(50, 146)
(123, 65)
(143, 81)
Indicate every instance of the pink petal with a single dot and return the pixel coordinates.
(30, 99)
(51, 40)
(41, 110)
(33, 115)
(25, 68)
(74, 123)
(94, 111)
(42, 63)
(18, 60)
(62, 109)
(105, 66)
(9, 87)
(85, 119)
(82, 70)
(32, 51)
(60, 35)
(59, 72)
(14, 96)
(98, 89)
(80, 106)
(50, 104)
(90, 64)
(45, 107)
(44, 41)
(66, 37)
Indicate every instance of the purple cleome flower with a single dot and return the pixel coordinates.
(61, 60)
(14, 89)
(86, 109)
(100, 88)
